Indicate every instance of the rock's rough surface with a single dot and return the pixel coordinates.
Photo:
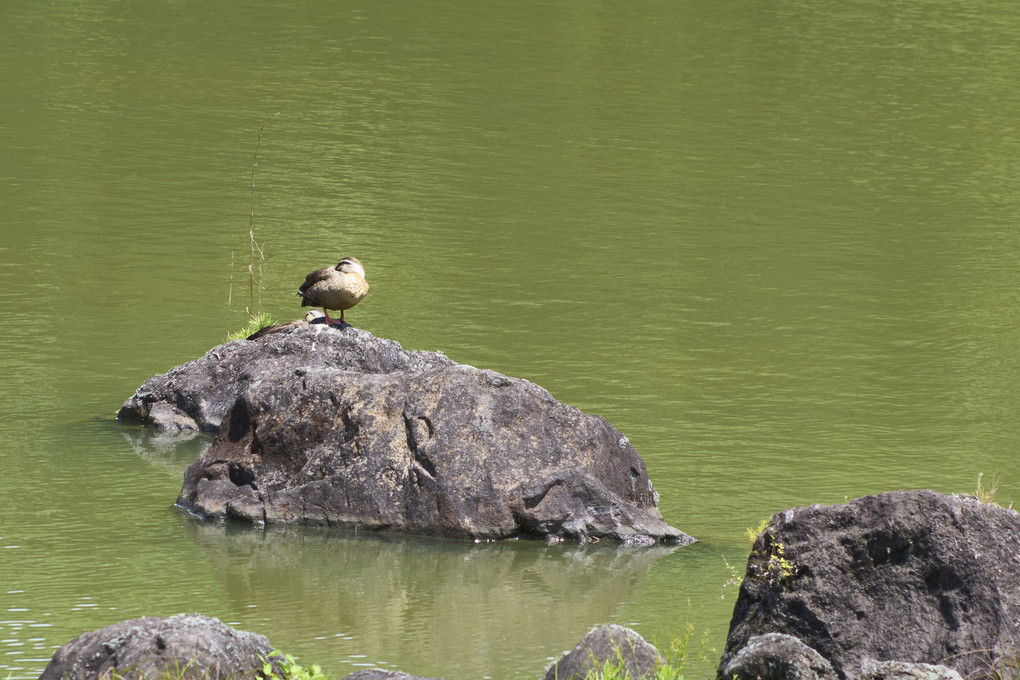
(201, 647)
(619, 646)
(908, 576)
(900, 670)
(340, 428)
(197, 395)
(777, 656)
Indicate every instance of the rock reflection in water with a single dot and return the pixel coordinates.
(174, 450)
(345, 600)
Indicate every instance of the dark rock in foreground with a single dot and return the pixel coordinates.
(907, 576)
(188, 646)
(195, 647)
(777, 656)
(901, 670)
(610, 644)
(339, 428)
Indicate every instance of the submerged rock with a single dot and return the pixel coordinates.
(340, 428)
(907, 576)
(187, 646)
(376, 674)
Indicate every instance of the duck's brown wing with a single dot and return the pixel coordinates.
(315, 277)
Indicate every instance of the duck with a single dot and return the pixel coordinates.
(340, 287)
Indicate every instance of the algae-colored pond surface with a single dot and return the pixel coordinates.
(776, 244)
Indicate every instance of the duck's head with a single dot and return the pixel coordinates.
(350, 265)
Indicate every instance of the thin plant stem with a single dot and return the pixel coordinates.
(253, 246)
(230, 290)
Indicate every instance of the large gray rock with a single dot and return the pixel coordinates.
(339, 428)
(188, 646)
(611, 646)
(908, 576)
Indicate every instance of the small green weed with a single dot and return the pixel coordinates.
(611, 669)
(735, 580)
(677, 653)
(753, 533)
(736, 576)
(255, 324)
(616, 669)
(292, 670)
(986, 494)
(778, 566)
(670, 668)
(770, 562)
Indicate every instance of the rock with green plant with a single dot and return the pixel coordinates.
(608, 652)
(916, 577)
(183, 647)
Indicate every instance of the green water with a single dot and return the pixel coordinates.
(775, 244)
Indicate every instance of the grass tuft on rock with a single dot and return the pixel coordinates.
(255, 324)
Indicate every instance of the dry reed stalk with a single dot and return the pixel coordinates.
(253, 245)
